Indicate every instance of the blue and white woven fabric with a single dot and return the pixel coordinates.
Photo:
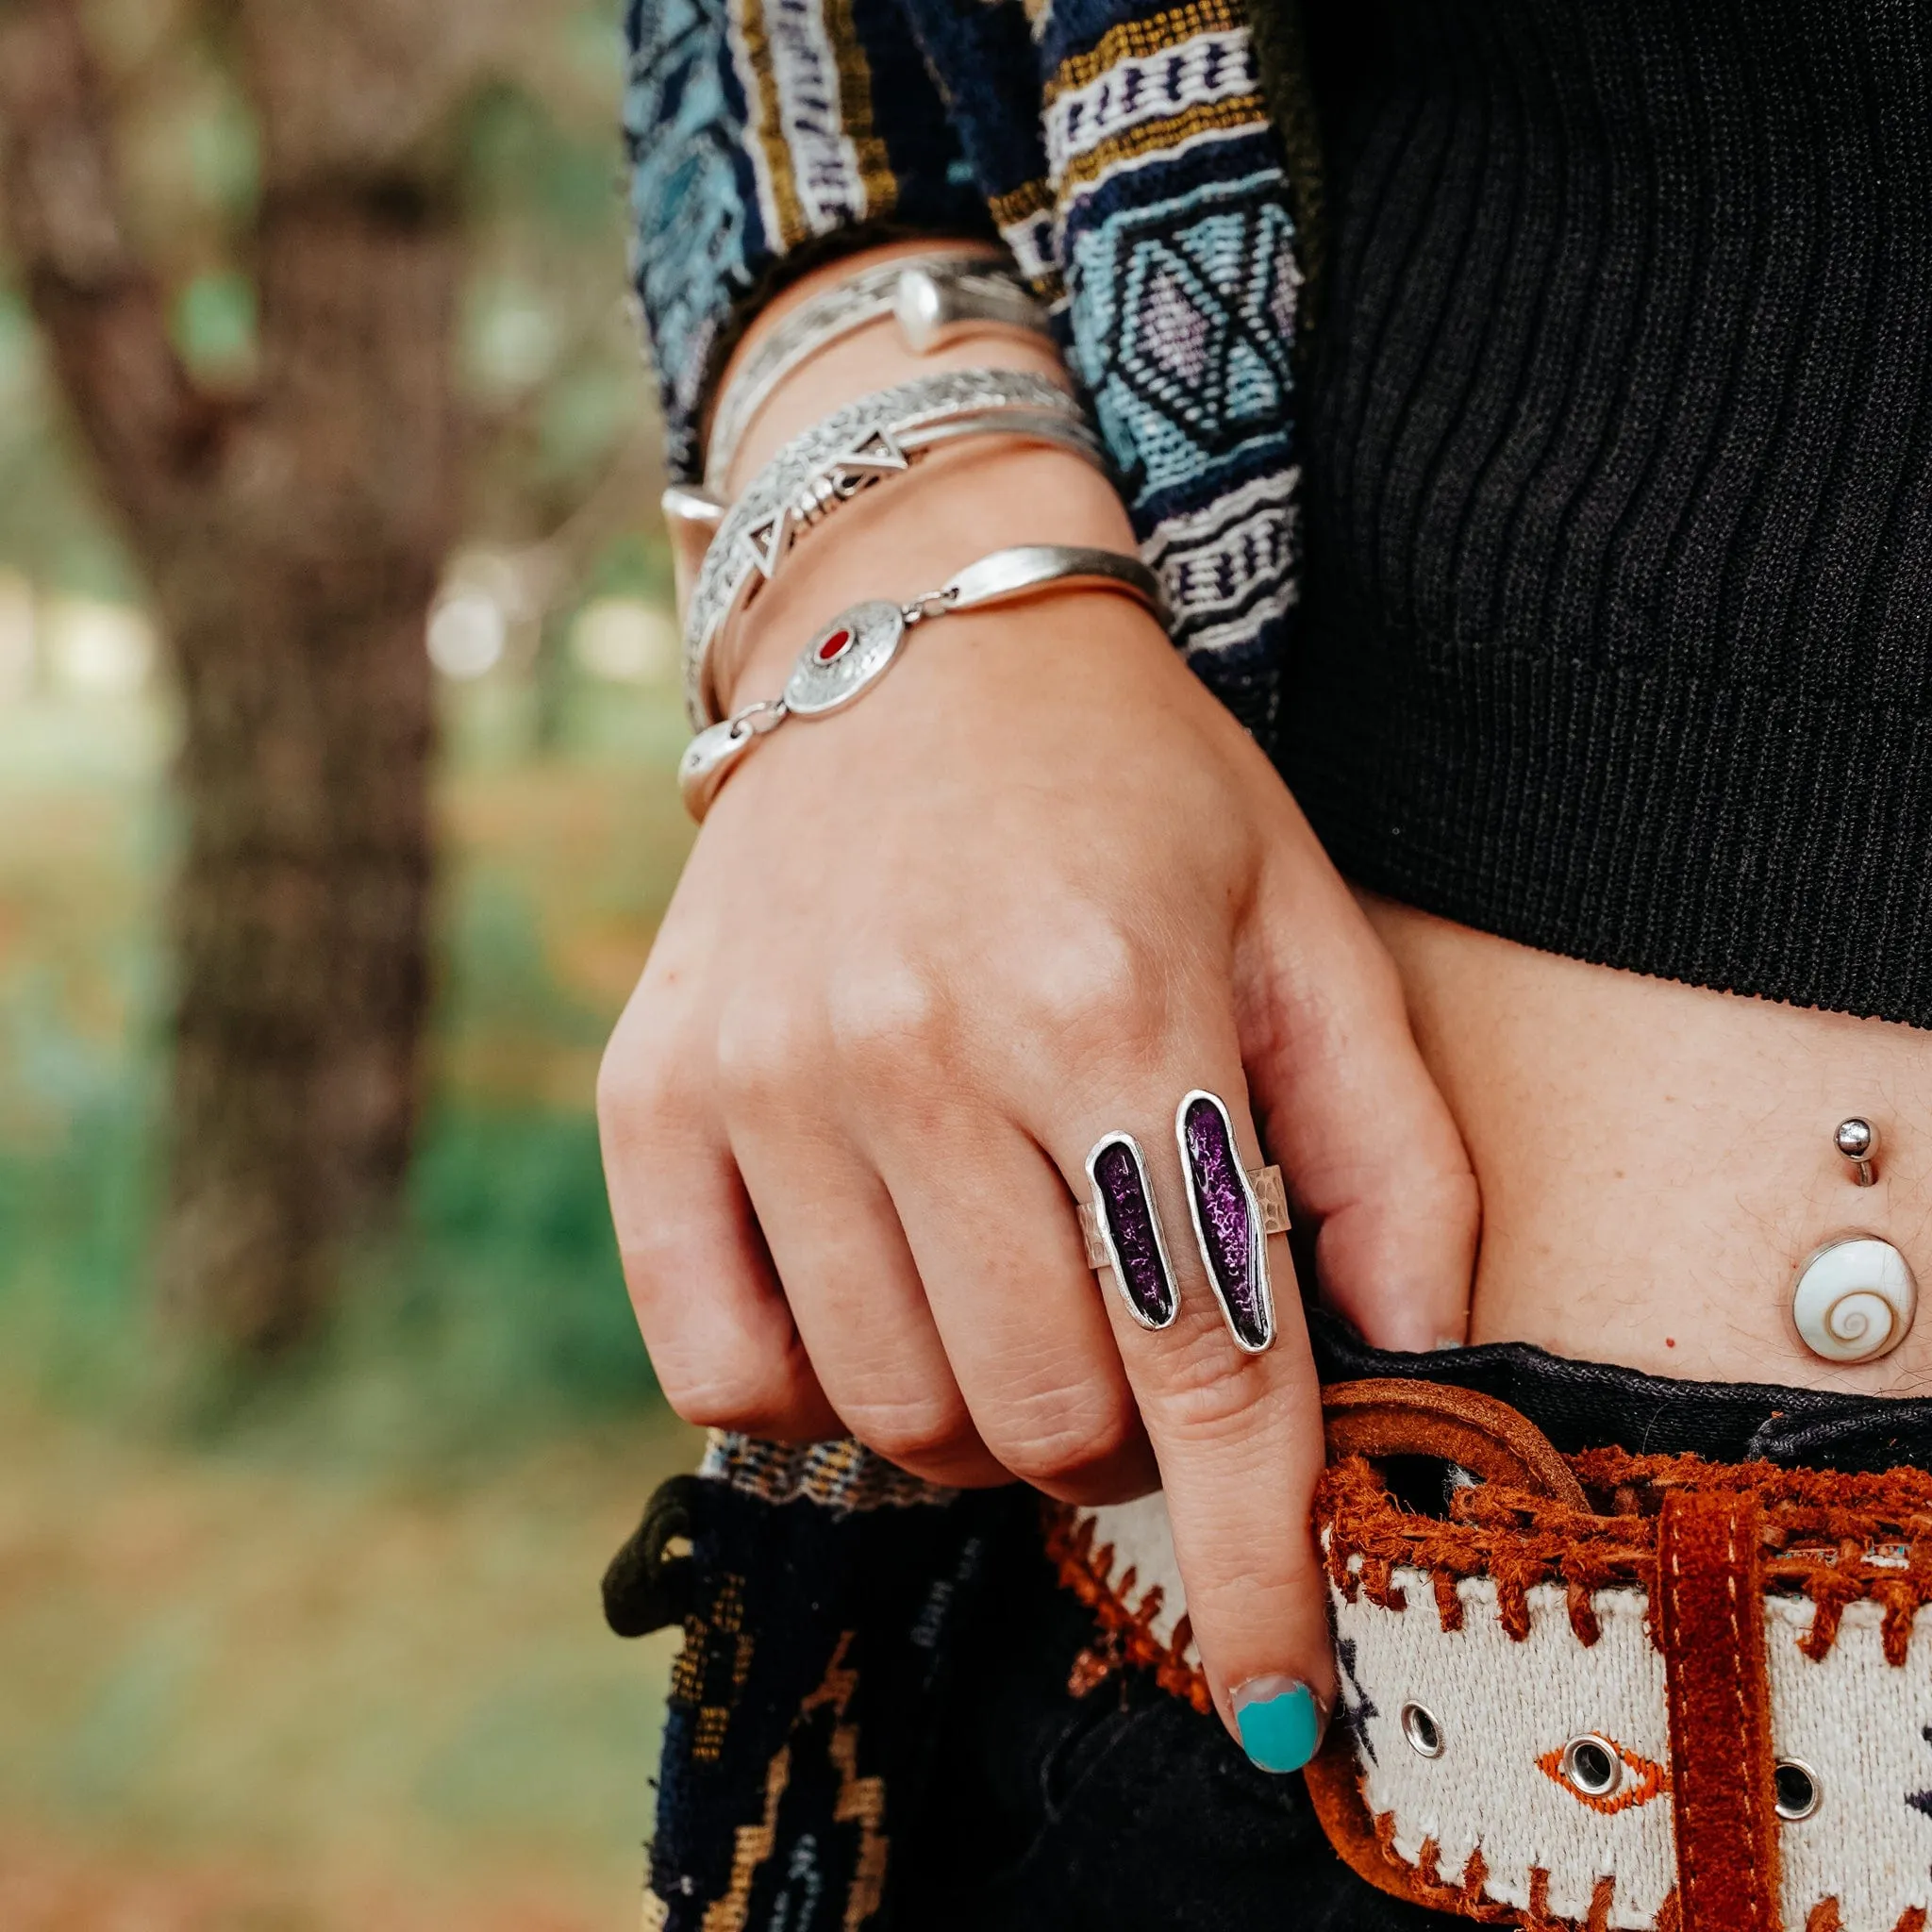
(1124, 155)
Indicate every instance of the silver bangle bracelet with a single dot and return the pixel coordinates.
(933, 297)
(854, 651)
(875, 438)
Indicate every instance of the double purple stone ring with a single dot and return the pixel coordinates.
(1233, 1213)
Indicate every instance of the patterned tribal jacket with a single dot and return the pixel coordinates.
(1127, 157)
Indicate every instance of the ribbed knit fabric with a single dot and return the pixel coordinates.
(1618, 628)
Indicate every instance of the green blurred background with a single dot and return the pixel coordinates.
(319, 1645)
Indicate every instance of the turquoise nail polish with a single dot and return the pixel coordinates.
(1280, 1722)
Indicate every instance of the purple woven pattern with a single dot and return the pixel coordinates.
(1232, 1243)
(1129, 1213)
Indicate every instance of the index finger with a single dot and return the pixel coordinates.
(1225, 1385)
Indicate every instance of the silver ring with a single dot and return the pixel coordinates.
(1229, 1227)
(1271, 1190)
(1125, 1224)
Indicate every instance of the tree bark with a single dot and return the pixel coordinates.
(293, 541)
(297, 609)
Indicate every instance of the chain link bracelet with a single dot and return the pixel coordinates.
(854, 651)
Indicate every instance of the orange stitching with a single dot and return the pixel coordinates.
(1601, 1899)
(1652, 1780)
(1539, 1897)
(1824, 1917)
(1754, 1850)
(1583, 1617)
(1687, 1853)
(1833, 1538)
(1088, 1572)
(1464, 1899)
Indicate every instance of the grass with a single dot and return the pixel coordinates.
(326, 1652)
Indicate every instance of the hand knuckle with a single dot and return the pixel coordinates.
(907, 1429)
(751, 1398)
(1209, 1388)
(764, 1050)
(1099, 984)
(1062, 1438)
(887, 1015)
(630, 1086)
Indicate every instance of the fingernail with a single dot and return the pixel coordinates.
(1280, 1720)
(1443, 1342)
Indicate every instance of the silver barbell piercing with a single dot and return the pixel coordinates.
(1854, 1298)
(1858, 1141)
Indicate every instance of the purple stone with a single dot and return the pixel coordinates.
(1130, 1227)
(1232, 1245)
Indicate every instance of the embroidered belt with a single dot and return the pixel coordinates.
(1594, 1691)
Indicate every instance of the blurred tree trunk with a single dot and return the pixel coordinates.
(293, 538)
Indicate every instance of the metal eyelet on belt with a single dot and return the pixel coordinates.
(1797, 1789)
(1423, 1733)
(1592, 1765)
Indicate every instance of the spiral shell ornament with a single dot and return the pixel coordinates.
(1853, 1299)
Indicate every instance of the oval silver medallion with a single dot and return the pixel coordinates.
(852, 651)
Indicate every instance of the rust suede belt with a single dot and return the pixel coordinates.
(1595, 1692)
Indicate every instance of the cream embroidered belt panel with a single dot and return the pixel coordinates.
(1596, 1691)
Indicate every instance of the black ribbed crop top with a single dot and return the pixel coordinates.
(1617, 636)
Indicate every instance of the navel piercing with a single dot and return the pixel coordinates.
(1853, 1299)
(1858, 1141)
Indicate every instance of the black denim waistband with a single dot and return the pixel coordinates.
(1581, 1405)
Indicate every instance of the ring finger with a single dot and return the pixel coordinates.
(856, 1296)
(985, 1214)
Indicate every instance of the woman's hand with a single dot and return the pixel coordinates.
(926, 952)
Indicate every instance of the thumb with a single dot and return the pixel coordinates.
(1345, 1105)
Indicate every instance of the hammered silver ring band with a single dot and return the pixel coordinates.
(1269, 1190)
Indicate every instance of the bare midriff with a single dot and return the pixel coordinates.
(1656, 1159)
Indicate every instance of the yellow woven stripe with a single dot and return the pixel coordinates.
(1235, 115)
(1137, 39)
(1014, 209)
(768, 126)
(855, 110)
(1029, 199)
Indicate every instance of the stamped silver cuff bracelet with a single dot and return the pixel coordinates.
(875, 438)
(853, 652)
(932, 297)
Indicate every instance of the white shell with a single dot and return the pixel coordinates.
(1853, 1299)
